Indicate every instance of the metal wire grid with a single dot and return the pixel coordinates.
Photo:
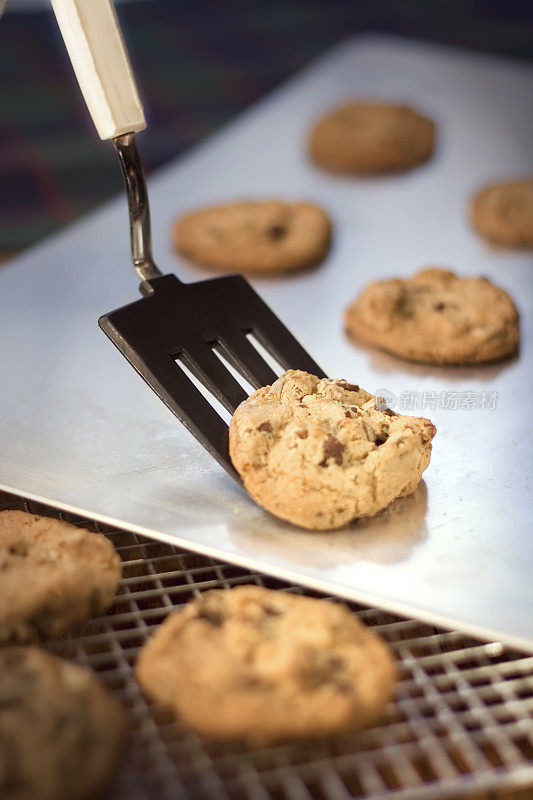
(461, 723)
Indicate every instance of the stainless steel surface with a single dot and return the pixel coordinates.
(460, 725)
(79, 428)
(138, 207)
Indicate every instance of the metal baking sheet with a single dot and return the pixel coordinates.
(80, 430)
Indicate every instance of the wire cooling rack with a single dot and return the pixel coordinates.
(460, 726)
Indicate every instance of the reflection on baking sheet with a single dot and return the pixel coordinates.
(388, 538)
(382, 362)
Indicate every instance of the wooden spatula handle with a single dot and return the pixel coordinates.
(98, 54)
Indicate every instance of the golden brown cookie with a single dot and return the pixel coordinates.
(503, 213)
(437, 317)
(366, 138)
(266, 666)
(60, 730)
(319, 453)
(52, 574)
(260, 236)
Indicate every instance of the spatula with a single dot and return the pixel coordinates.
(179, 336)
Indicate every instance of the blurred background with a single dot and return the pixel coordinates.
(198, 63)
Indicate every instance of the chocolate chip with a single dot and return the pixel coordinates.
(439, 306)
(266, 427)
(348, 414)
(389, 412)
(9, 702)
(379, 441)
(350, 387)
(214, 617)
(18, 549)
(355, 410)
(321, 671)
(303, 433)
(404, 308)
(332, 449)
(343, 686)
(276, 232)
(271, 611)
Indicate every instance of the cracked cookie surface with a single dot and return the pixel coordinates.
(503, 213)
(318, 453)
(265, 666)
(366, 138)
(60, 730)
(260, 236)
(437, 317)
(52, 574)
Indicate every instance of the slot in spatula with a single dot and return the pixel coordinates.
(189, 323)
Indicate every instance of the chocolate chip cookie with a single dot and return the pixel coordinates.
(266, 666)
(366, 138)
(60, 730)
(261, 236)
(52, 574)
(503, 213)
(437, 317)
(319, 453)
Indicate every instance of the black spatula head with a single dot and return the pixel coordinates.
(186, 322)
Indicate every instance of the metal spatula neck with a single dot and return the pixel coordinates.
(139, 210)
